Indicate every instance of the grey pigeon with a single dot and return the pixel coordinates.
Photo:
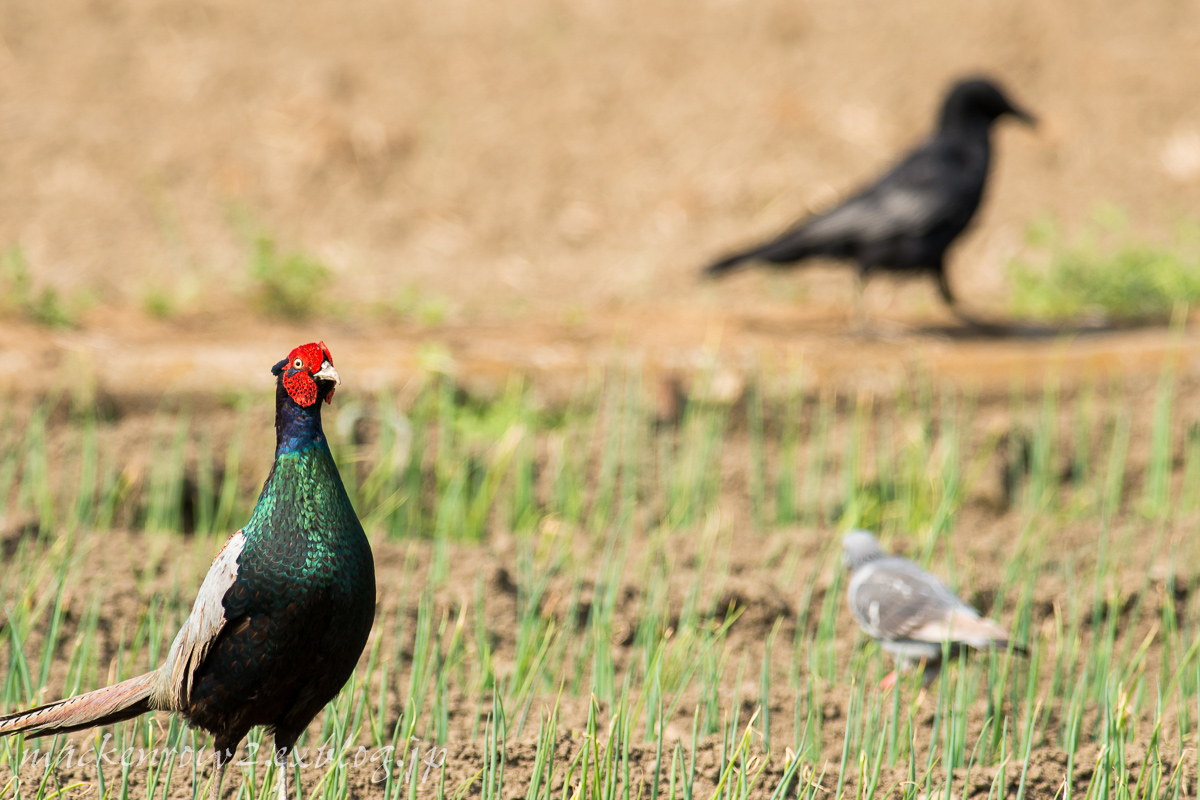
(908, 218)
(910, 612)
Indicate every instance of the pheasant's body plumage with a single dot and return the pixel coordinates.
(300, 609)
(284, 612)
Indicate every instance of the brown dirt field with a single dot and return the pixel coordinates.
(143, 359)
(765, 580)
(762, 581)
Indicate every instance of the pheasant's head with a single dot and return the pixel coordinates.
(308, 374)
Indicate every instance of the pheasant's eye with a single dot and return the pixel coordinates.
(298, 363)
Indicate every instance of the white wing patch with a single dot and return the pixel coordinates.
(173, 688)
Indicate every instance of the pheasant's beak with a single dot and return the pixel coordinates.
(328, 373)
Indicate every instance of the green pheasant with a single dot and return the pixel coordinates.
(284, 612)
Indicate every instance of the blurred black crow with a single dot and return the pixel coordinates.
(907, 219)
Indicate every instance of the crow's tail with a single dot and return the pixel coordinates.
(782, 253)
(727, 264)
(121, 701)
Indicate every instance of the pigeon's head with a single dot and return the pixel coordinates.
(308, 374)
(860, 547)
(979, 100)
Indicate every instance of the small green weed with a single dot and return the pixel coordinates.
(287, 285)
(410, 304)
(158, 303)
(15, 280)
(18, 298)
(1102, 275)
(48, 308)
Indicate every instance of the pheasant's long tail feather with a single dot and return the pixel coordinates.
(121, 701)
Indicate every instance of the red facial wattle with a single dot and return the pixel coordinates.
(302, 363)
(301, 387)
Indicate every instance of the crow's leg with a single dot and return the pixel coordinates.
(860, 321)
(947, 295)
(944, 287)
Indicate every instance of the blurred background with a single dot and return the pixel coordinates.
(553, 174)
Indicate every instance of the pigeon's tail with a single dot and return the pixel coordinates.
(981, 633)
(963, 627)
(978, 632)
(122, 701)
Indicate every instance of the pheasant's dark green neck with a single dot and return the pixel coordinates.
(296, 427)
(303, 497)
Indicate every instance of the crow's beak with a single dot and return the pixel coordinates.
(1023, 115)
(328, 373)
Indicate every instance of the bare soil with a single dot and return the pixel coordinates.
(760, 574)
(764, 582)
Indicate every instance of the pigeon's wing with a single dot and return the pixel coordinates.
(201, 628)
(934, 186)
(895, 599)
